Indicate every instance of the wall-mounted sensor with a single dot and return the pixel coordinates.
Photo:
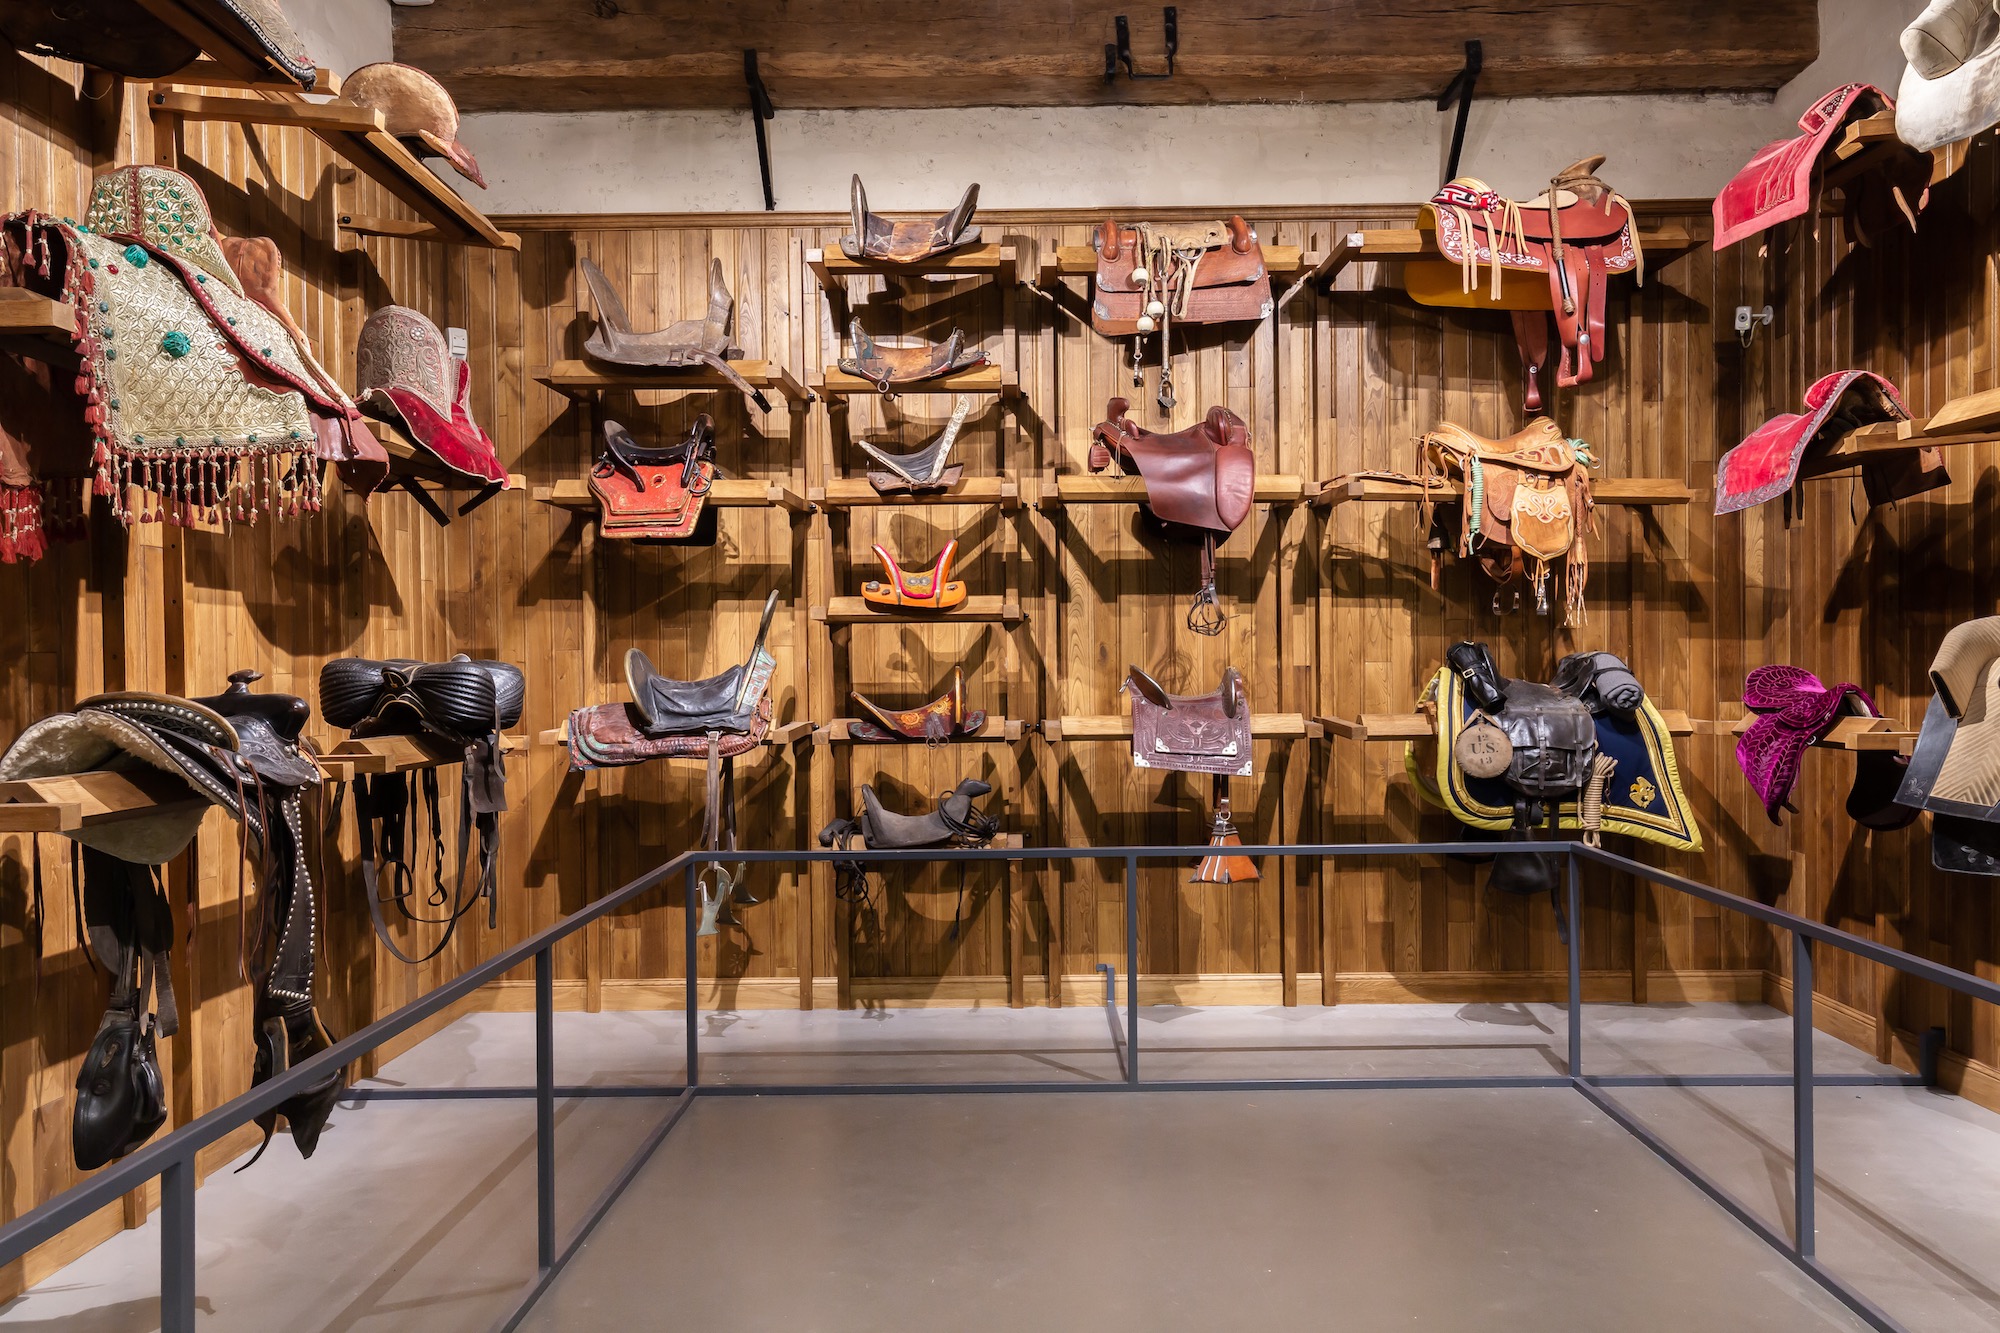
(1747, 321)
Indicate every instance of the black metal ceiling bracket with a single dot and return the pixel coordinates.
(760, 111)
(1460, 90)
(1120, 52)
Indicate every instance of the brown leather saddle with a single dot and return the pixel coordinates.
(1555, 252)
(927, 469)
(954, 821)
(656, 495)
(875, 237)
(1199, 484)
(1198, 733)
(890, 367)
(934, 589)
(690, 342)
(934, 723)
(1150, 276)
(715, 718)
(1526, 505)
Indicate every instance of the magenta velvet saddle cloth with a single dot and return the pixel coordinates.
(1797, 709)
(1776, 184)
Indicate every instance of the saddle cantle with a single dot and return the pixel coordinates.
(1149, 276)
(890, 367)
(656, 495)
(690, 342)
(1796, 708)
(1199, 483)
(927, 469)
(1554, 252)
(1771, 459)
(1526, 505)
(409, 377)
(935, 722)
(933, 589)
(875, 237)
(1190, 733)
(1953, 774)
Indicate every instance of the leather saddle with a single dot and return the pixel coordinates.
(954, 821)
(691, 342)
(936, 722)
(1555, 252)
(875, 237)
(1796, 708)
(888, 368)
(933, 589)
(1953, 774)
(280, 960)
(462, 703)
(1526, 504)
(1198, 733)
(656, 495)
(1199, 484)
(716, 718)
(1150, 276)
(1774, 458)
(927, 469)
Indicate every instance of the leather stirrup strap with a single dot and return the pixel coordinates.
(1531, 336)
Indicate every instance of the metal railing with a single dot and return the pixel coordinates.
(173, 1157)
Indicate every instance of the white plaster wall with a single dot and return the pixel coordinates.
(343, 35)
(1859, 42)
(1098, 157)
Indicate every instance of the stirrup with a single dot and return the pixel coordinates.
(715, 902)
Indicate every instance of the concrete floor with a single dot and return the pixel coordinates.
(1430, 1209)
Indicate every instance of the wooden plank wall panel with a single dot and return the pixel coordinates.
(1868, 594)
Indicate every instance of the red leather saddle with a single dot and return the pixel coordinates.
(656, 495)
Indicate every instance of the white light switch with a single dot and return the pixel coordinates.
(454, 342)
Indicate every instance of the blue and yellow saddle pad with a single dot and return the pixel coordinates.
(1643, 798)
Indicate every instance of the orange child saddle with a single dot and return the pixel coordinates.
(933, 589)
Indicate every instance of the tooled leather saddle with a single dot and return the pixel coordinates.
(1199, 484)
(656, 495)
(875, 237)
(1526, 504)
(1564, 245)
(1198, 733)
(1149, 276)
(934, 723)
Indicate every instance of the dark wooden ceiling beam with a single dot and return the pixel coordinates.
(617, 54)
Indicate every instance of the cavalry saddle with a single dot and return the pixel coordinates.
(1150, 276)
(1199, 484)
(875, 237)
(1555, 252)
(1198, 733)
(934, 723)
(691, 342)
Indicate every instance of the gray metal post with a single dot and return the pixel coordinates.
(693, 979)
(177, 1247)
(1575, 910)
(1131, 969)
(1802, 1095)
(545, 1110)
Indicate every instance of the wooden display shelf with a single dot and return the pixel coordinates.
(80, 800)
(1004, 730)
(780, 736)
(1079, 730)
(1073, 488)
(1638, 492)
(1662, 244)
(38, 327)
(414, 467)
(1280, 261)
(358, 136)
(727, 493)
(860, 611)
(1849, 733)
(833, 266)
(581, 379)
(1971, 419)
(1421, 726)
(856, 493)
(213, 74)
(988, 378)
(397, 754)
